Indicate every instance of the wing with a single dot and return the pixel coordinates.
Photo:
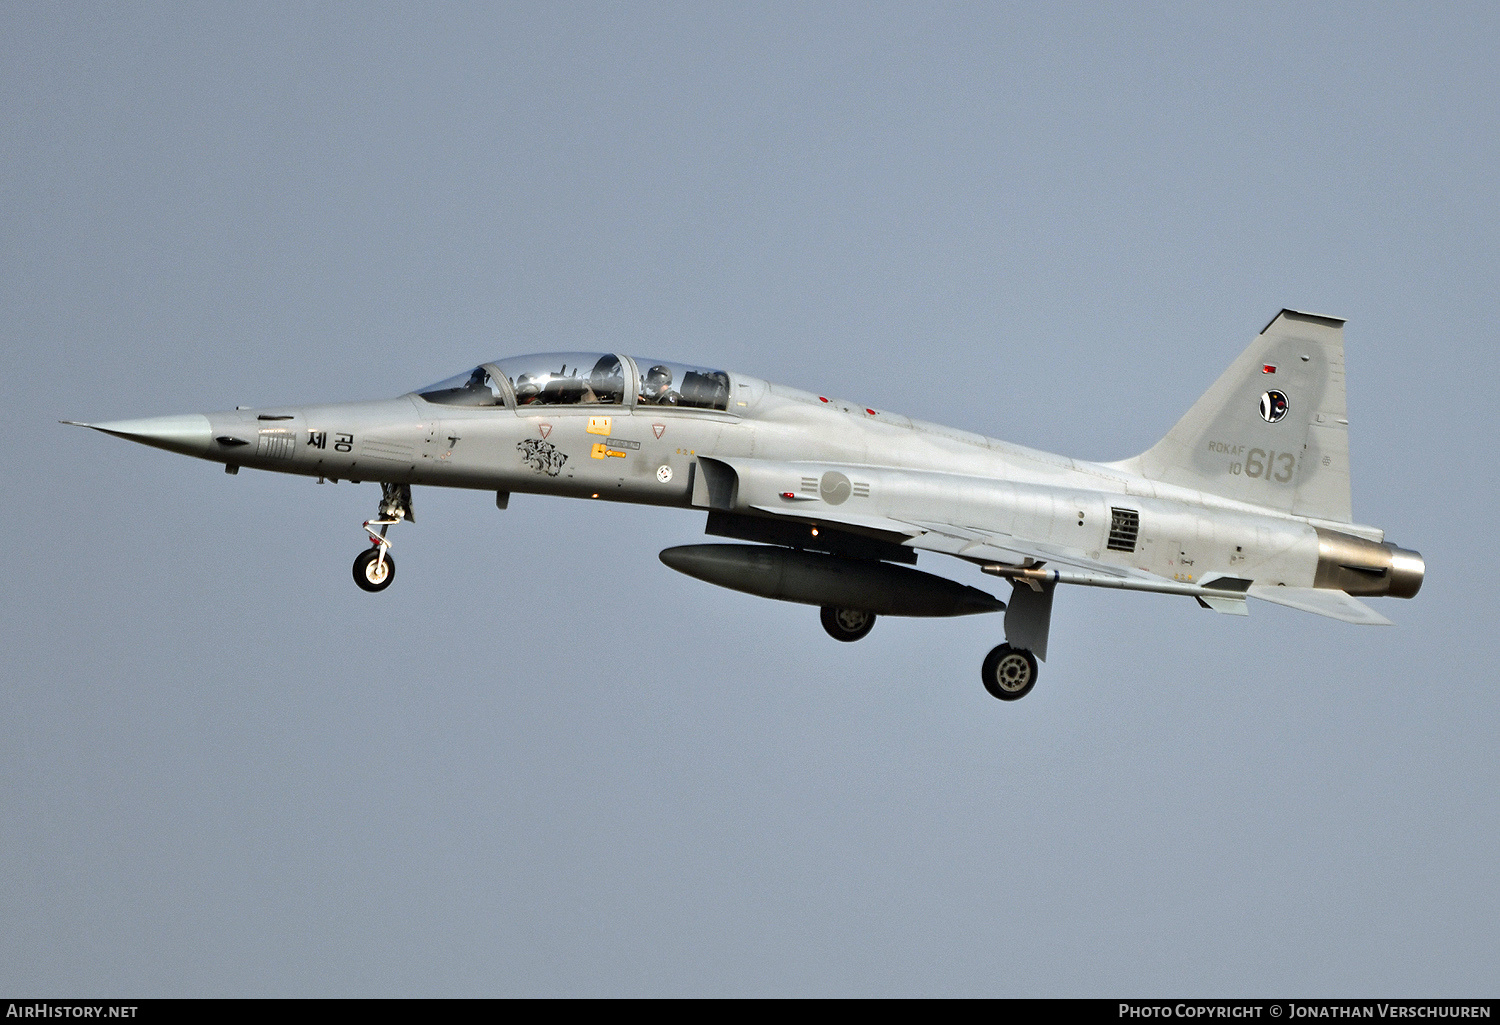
(1008, 550)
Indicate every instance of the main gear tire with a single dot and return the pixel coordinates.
(371, 572)
(846, 624)
(1009, 673)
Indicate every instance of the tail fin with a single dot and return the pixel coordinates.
(1273, 429)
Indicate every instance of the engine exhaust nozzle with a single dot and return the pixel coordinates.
(1359, 566)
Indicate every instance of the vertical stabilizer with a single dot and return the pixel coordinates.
(1273, 429)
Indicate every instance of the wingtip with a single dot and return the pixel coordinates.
(75, 423)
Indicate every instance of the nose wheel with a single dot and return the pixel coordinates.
(1009, 673)
(374, 569)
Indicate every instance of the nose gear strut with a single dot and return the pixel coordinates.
(374, 569)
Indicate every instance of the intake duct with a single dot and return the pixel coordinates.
(1355, 565)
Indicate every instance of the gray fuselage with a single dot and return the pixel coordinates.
(899, 467)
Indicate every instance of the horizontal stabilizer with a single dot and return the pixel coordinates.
(1226, 606)
(1333, 604)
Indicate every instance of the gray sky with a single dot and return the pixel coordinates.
(543, 763)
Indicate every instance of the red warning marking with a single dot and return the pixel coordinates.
(546, 429)
(1269, 368)
(658, 428)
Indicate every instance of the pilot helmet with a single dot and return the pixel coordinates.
(527, 389)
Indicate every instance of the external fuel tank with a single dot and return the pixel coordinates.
(813, 578)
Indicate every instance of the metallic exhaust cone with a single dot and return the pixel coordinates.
(1355, 565)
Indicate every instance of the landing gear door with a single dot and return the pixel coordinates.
(1028, 616)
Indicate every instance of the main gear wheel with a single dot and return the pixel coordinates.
(1009, 673)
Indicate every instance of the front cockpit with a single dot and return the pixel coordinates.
(582, 379)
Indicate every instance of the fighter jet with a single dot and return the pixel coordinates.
(1246, 497)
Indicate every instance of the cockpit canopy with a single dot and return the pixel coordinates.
(674, 384)
(582, 379)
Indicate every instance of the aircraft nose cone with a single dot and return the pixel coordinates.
(190, 434)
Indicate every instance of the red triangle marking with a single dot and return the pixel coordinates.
(658, 428)
(546, 429)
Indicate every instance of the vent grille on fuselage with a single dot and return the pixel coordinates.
(1124, 528)
(276, 443)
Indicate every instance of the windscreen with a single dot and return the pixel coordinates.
(474, 388)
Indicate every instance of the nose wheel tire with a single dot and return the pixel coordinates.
(847, 624)
(373, 573)
(1009, 673)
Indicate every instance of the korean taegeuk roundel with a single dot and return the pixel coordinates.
(1272, 406)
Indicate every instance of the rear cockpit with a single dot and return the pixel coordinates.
(674, 384)
(582, 379)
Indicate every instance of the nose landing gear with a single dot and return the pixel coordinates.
(374, 569)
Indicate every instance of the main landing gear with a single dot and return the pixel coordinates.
(847, 624)
(1009, 671)
(374, 569)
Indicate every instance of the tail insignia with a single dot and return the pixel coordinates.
(1272, 406)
